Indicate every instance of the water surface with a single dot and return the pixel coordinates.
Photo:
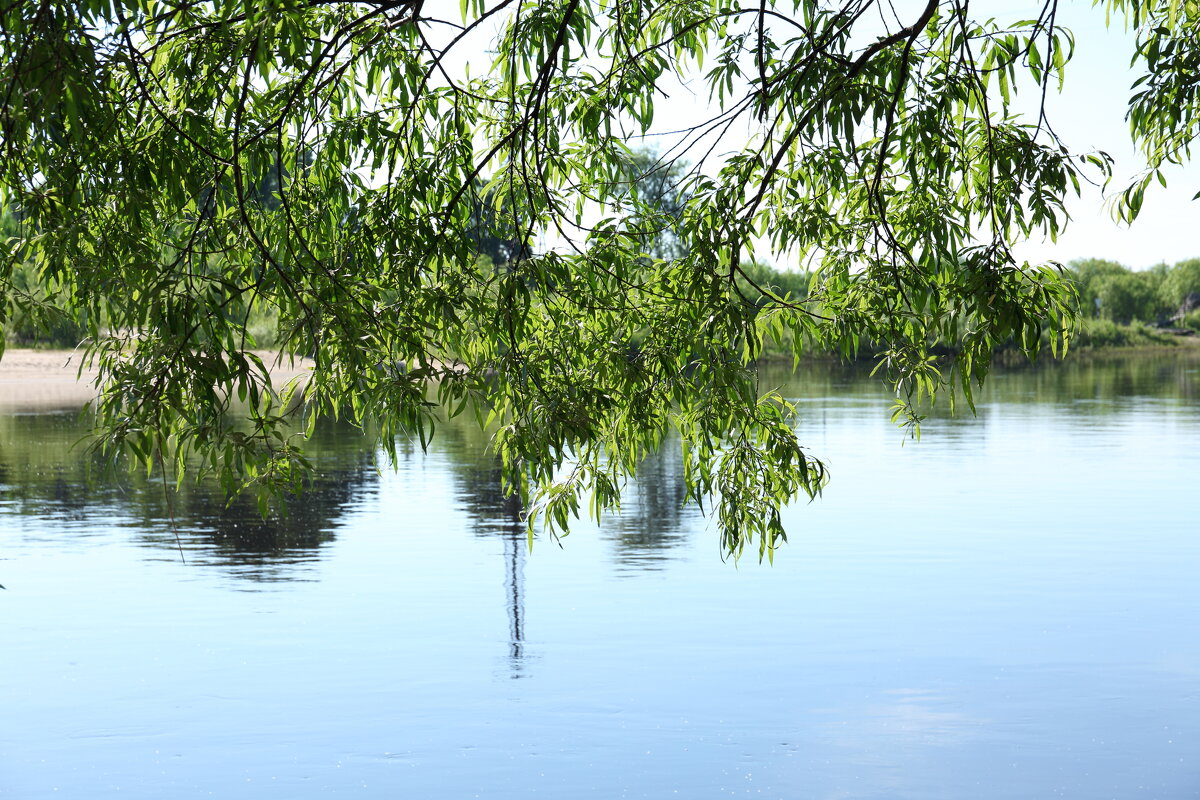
(1006, 609)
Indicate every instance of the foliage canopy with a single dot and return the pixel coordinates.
(176, 165)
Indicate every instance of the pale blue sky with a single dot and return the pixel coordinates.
(1090, 114)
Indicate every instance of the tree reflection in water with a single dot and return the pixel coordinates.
(48, 473)
(234, 535)
(652, 524)
(654, 520)
(494, 512)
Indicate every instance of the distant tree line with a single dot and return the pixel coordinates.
(1161, 295)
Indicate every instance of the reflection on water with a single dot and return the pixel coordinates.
(514, 583)
(1006, 609)
(1166, 375)
(493, 512)
(47, 472)
(215, 530)
(653, 521)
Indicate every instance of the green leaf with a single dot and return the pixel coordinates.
(434, 238)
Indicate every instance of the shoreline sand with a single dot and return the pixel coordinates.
(45, 380)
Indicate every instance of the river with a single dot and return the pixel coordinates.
(1007, 608)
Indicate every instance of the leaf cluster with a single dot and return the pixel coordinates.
(450, 213)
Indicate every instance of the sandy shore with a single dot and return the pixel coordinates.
(51, 379)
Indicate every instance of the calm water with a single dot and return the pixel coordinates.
(1009, 608)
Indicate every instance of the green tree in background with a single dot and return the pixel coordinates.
(1112, 291)
(37, 311)
(1088, 274)
(1128, 296)
(1181, 281)
(878, 144)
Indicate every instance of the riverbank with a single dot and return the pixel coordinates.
(46, 379)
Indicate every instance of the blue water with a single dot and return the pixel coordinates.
(1007, 608)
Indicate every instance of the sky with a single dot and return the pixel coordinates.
(1090, 114)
